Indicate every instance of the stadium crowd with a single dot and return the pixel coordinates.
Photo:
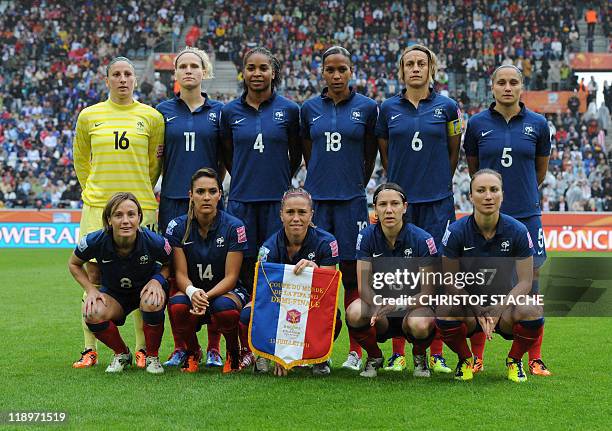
(53, 63)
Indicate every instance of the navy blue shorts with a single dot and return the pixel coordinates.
(393, 331)
(344, 220)
(534, 226)
(129, 301)
(170, 209)
(432, 217)
(261, 219)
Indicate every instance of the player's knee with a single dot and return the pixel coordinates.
(222, 303)
(147, 305)
(527, 312)
(354, 315)
(418, 327)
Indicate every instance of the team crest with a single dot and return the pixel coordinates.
(528, 129)
(212, 116)
(356, 114)
(144, 259)
(293, 316)
(220, 241)
(408, 252)
(140, 127)
(505, 245)
(438, 112)
(279, 115)
(311, 256)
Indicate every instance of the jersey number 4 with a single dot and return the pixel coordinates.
(121, 142)
(259, 145)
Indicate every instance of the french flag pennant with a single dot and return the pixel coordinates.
(294, 316)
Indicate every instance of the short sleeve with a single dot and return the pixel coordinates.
(451, 243)
(237, 238)
(224, 127)
(89, 246)
(453, 116)
(175, 232)
(364, 248)
(372, 116)
(163, 249)
(543, 143)
(305, 125)
(524, 244)
(268, 251)
(294, 119)
(328, 252)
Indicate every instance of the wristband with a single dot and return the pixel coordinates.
(191, 290)
(160, 278)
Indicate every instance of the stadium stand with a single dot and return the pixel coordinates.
(53, 65)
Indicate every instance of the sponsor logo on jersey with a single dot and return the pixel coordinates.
(263, 254)
(170, 227)
(241, 232)
(393, 117)
(356, 114)
(144, 259)
(279, 115)
(220, 241)
(528, 129)
(82, 244)
(431, 245)
(334, 248)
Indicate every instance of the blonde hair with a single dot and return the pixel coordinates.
(433, 61)
(204, 58)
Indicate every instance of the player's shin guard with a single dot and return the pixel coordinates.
(399, 346)
(139, 332)
(477, 344)
(214, 337)
(366, 337)
(453, 334)
(153, 330)
(227, 323)
(351, 293)
(184, 323)
(108, 333)
(437, 344)
(89, 339)
(526, 333)
(243, 328)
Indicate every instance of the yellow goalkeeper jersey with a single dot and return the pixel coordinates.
(115, 150)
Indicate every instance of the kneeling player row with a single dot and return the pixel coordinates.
(206, 248)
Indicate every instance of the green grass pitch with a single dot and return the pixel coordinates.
(41, 336)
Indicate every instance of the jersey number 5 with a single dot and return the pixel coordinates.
(259, 145)
(122, 142)
(506, 158)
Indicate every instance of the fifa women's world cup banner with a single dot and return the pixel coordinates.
(294, 316)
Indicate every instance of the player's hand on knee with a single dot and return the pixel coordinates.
(303, 263)
(152, 294)
(92, 304)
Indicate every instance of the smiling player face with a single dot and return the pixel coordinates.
(296, 215)
(507, 86)
(416, 69)
(390, 208)
(205, 195)
(486, 194)
(125, 221)
(337, 73)
(258, 73)
(189, 71)
(121, 81)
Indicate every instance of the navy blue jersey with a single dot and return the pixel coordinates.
(495, 256)
(260, 165)
(337, 132)
(418, 144)
(412, 241)
(319, 246)
(191, 142)
(125, 273)
(206, 256)
(511, 149)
